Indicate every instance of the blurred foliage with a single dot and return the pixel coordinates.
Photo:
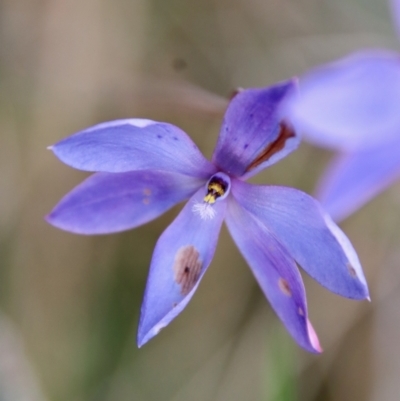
(73, 302)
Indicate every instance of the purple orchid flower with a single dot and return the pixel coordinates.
(145, 167)
(352, 106)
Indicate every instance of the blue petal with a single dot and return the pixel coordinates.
(254, 134)
(353, 179)
(350, 104)
(133, 144)
(110, 202)
(308, 234)
(275, 271)
(180, 259)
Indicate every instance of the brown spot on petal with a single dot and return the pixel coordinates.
(187, 267)
(286, 132)
(300, 310)
(352, 270)
(147, 191)
(284, 287)
(146, 201)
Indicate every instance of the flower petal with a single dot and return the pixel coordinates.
(254, 134)
(180, 259)
(308, 234)
(350, 104)
(133, 144)
(352, 179)
(275, 271)
(111, 202)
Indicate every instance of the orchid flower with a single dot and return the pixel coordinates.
(143, 168)
(352, 107)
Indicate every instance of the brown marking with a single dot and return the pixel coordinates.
(187, 267)
(286, 132)
(284, 287)
(235, 92)
(352, 270)
(301, 312)
(146, 201)
(147, 192)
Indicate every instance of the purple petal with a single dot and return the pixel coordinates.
(353, 179)
(111, 202)
(350, 104)
(133, 144)
(254, 134)
(180, 259)
(308, 234)
(275, 271)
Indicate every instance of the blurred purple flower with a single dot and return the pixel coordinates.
(145, 167)
(353, 106)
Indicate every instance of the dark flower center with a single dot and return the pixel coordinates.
(217, 187)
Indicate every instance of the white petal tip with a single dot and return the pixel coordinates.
(140, 122)
(313, 337)
(143, 339)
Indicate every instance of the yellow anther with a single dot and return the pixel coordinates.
(215, 190)
(210, 198)
(216, 187)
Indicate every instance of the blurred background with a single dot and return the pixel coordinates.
(69, 304)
